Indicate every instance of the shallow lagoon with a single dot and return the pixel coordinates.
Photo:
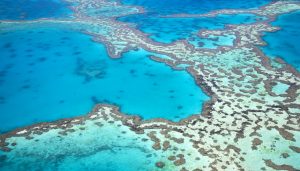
(46, 75)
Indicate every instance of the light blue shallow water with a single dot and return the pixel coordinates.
(285, 42)
(46, 74)
(99, 148)
(32, 9)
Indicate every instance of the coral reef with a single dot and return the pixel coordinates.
(245, 125)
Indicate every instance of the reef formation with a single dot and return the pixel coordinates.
(249, 123)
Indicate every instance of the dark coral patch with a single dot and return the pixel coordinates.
(2, 158)
(42, 59)
(26, 86)
(7, 45)
(2, 100)
(77, 53)
(179, 107)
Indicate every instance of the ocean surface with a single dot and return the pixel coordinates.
(167, 30)
(165, 7)
(285, 42)
(33, 9)
(46, 75)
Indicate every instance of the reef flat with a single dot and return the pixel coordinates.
(252, 121)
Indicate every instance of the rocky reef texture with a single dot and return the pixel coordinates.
(245, 125)
(270, 10)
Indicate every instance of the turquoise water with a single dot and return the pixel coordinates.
(45, 74)
(285, 42)
(53, 73)
(280, 88)
(163, 7)
(27, 9)
(167, 30)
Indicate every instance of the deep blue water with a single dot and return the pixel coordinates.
(285, 42)
(163, 7)
(32, 9)
(45, 74)
(167, 30)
